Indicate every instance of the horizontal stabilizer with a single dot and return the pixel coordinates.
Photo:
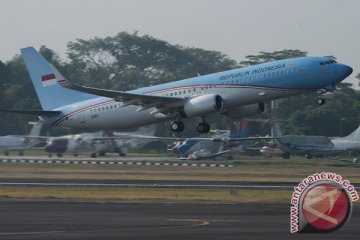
(32, 112)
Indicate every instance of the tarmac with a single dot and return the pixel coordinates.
(28, 219)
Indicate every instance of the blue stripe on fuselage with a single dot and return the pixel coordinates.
(246, 76)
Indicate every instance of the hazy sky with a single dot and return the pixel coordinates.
(234, 27)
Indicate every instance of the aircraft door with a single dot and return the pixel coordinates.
(81, 117)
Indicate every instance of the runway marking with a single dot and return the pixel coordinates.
(152, 185)
(202, 222)
(199, 223)
(102, 162)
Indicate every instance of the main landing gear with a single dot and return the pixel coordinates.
(178, 126)
(203, 127)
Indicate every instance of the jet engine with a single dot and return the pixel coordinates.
(246, 111)
(203, 105)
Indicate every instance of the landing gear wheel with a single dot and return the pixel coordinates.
(286, 155)
(59, 155)
(308, 156)
(121, 154)
(177, 126)
(93, 155)
(320, 101)
(203, 127)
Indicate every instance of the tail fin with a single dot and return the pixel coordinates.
(240, 128)
(275, 130)
(35, 131)
(45, 80)
(355, 135)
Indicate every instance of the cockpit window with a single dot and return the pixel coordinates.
(328, 62)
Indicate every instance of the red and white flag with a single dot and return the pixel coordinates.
(48, 80)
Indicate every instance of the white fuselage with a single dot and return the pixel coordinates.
(106, 113)
(345, 144)
(12, 143)
(237, 88)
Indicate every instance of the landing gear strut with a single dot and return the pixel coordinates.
(177, 126)
(320, 101)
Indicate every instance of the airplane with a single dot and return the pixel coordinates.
(311, 146)
(98, 143)
(20, 143)
(235, 93)
(350, 142)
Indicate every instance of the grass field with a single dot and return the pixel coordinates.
(245, 169)
(131, 193)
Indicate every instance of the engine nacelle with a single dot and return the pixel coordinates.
(203, 105)
(246, 111)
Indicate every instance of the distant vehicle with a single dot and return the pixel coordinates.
(99, 143)
(235, 93)
(222, 142)
(21, 142)
(314, 146)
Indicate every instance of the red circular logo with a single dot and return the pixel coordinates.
(326, 206)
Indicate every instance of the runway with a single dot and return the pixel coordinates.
(150, 220)
(148, 183)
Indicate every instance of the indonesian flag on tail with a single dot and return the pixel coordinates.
(59, 78)
(48, 80)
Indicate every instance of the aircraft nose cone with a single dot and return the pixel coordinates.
(345, 70)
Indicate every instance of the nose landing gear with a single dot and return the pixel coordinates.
(320, 100)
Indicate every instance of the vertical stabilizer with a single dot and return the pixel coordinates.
(240, 128)
(35, 131)
(355, 135)
(275, 130)
(51, 95)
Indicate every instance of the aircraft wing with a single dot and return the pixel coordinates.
(142, 100)
(240, 139)
(202, 156)
(127, 136)
(33, 112)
